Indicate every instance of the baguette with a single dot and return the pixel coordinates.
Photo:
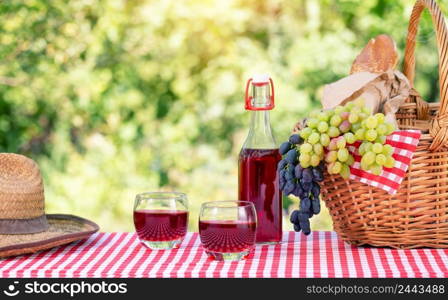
(378, 56)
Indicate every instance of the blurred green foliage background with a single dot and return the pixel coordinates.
(116, 97)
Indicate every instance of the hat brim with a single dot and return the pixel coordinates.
(63, 229)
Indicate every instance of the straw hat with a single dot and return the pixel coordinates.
(24, 226)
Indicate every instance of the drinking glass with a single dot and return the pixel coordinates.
(228, 229)
(161, 219)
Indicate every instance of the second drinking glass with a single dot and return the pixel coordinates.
(228, 229)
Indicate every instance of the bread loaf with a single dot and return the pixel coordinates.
(378, 56)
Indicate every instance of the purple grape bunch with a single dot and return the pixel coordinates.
(300, 182)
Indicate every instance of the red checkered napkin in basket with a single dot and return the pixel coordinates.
(404, 142)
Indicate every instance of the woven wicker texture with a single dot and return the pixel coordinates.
(21, 188)
(439, 123)
(417, 215)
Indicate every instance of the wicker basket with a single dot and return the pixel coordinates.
(417, 215)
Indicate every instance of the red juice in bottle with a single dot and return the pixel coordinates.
(258, 159)
(259, 183)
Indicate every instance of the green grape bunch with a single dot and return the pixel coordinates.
(328, 133)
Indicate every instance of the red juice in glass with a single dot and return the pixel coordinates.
(259, 184)
(257, 171)
(160, 225)
(227, 236)
(228, 229)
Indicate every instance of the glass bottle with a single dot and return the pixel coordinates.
(258, 159)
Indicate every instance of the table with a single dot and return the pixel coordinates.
(321, 254)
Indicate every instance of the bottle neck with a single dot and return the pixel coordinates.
(260, 133)
(261, 95)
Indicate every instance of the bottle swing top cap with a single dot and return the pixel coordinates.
(260, 79)
(259, 93)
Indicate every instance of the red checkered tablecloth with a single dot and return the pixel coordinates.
(321, 254)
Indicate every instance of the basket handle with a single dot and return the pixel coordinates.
(439, 125)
